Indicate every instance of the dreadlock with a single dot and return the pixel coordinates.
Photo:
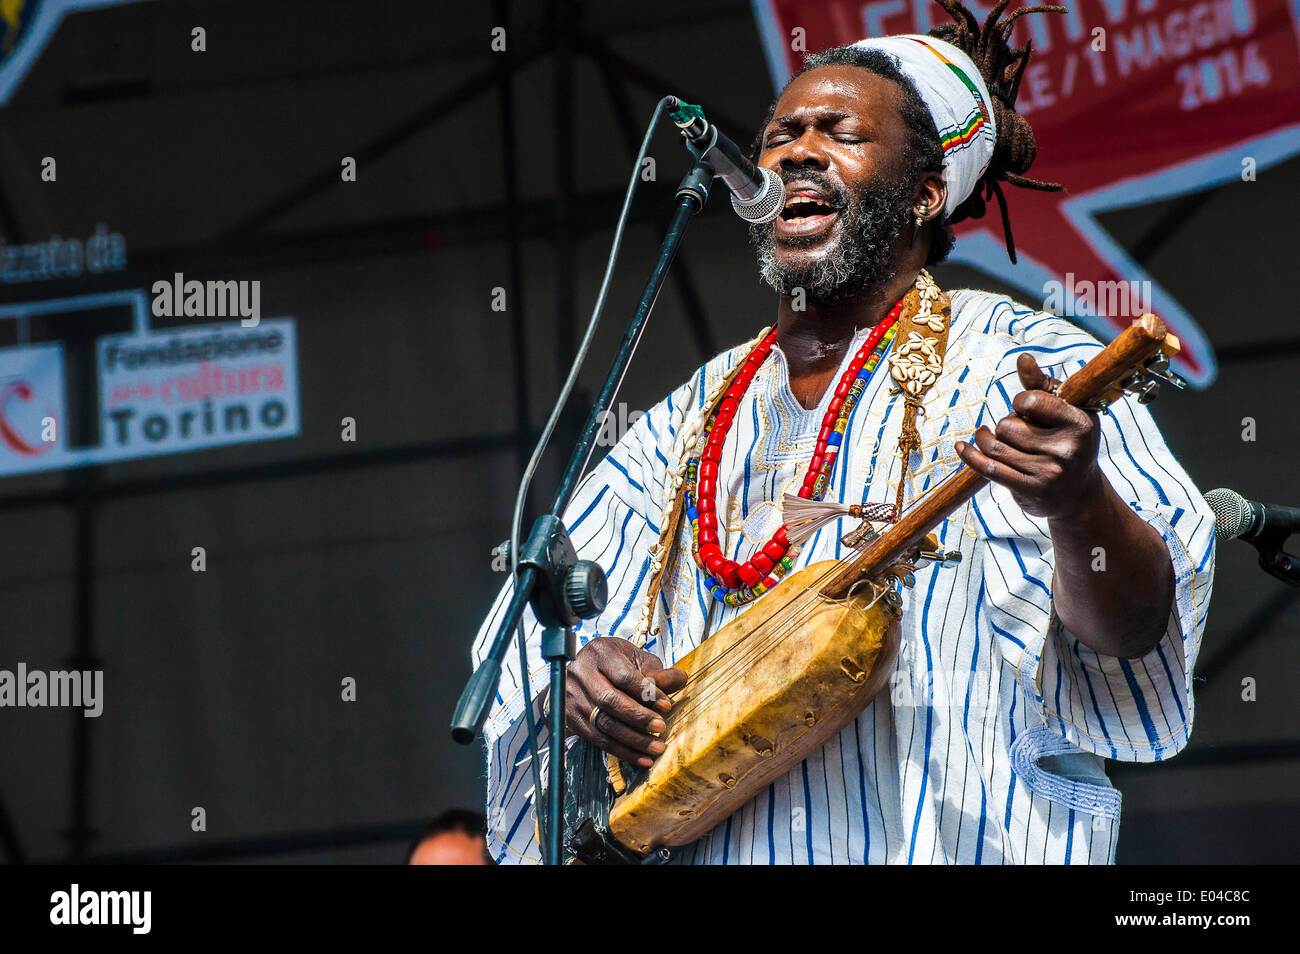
(1002, 69)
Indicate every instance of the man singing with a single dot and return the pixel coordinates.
(1067, 633)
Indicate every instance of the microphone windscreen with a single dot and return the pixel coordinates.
(1232, 514)
(765, 206)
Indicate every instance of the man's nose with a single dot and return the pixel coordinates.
(803, 152)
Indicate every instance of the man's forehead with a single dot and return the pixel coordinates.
(847, 90)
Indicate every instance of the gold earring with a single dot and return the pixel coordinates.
(919, 219)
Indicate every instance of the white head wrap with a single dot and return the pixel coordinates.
(953, 90)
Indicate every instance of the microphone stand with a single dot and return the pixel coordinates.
(560, 588)
(1274, 560)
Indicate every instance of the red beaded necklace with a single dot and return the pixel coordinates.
(749, 580)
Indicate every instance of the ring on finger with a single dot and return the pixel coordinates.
(595, 711)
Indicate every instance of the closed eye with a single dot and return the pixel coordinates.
(782, 138)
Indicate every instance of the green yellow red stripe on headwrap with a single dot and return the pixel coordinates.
(958, 100)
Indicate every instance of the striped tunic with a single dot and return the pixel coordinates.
(988, 745)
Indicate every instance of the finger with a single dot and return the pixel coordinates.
(663, 680)
(614, 700)
(1033, 440)
(1056, 447)
(630, 756)
(655, 695)
(1032, 377)
(1022, 435)
(994, 470)
(669, 680)
(578, 711)
(652, 696)
(1047, 410)
(634, 676)
(625, 735)
(607, 744)
(991, 447)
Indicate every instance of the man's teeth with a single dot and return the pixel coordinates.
(804, 208)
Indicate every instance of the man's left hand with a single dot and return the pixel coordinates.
(1045, 453)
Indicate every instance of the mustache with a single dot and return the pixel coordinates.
(873, 218)
(836, 193)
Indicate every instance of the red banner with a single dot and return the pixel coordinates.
(1132, 101)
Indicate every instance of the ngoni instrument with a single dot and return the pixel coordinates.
(777, 682)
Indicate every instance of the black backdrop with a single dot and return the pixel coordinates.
(371, 559)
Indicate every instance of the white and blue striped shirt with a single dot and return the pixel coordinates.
(988, 745)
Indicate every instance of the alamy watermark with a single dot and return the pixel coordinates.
(614, 424)
(58, 688)
(76, 906)
(179, 298)
(1072, 298)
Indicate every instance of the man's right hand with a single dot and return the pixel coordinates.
(630, 686)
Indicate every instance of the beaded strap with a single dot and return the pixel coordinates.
(738, 583)
(688, 439)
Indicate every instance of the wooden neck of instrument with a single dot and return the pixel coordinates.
(1100, 379)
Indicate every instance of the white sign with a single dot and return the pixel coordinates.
(158, 392)
(193, 388)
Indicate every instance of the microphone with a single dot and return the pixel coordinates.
(1264, 527)
(1236, 517)
(757, 194)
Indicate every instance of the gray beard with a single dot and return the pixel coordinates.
(861, 256)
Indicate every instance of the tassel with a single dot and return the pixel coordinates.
(805, 517)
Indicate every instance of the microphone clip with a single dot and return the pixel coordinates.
(1274, 560)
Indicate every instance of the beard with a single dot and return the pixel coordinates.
(860, 255)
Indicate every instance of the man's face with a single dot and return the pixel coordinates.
(839, 142)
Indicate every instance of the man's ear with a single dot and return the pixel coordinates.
(932, 192)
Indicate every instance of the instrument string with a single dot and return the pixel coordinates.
(808, 595)
(744, 652)
(739, 656)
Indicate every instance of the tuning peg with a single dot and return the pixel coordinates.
(1159, 367)
(945, 558)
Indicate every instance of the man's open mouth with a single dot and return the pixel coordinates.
(807, 212)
